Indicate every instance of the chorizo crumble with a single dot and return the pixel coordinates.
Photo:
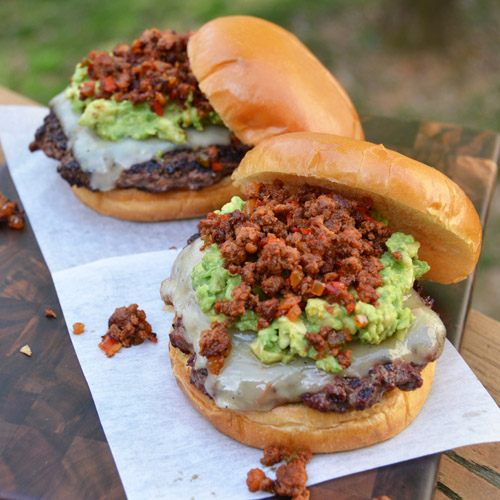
(78, 328)
(290, 247)
(154, 69)
(10, 212)
(49, 313)
(127, 326)
(291, 477)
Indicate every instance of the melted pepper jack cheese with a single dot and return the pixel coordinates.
(245, 383)
(105, 159)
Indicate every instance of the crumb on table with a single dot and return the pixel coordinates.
(49, 313)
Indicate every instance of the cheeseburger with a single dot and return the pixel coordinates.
(153, 130)
(299, 320)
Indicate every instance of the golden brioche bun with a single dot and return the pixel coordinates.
(263, 81)
(300, 427)
(135, 205)
(416, 198)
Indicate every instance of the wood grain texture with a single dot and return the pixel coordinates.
(51, 442)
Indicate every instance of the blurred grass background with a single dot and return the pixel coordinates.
(414, 59)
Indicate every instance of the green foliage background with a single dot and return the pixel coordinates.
(420, 59)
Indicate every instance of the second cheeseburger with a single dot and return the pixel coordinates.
(153, 130)
(299, 322)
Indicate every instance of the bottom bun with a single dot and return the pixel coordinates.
(136, 205)
(300, 427)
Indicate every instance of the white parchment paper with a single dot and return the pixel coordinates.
(68, 232)
(162, 447)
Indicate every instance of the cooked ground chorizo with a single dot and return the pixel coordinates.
(10, 212)
(215, 345)
(178, 169)
(297, 246)
(291, 477)
(127, 326)
(154, 68)
(49, 313)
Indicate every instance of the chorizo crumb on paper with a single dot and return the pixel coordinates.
(127, 326)
(291, 477)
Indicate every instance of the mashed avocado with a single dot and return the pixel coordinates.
(114, 120)
(283, 339)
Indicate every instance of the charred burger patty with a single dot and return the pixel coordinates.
(179, 169)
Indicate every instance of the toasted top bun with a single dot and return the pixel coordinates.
(263, 81)
(141, 206)
(416, 198)
(302, 428)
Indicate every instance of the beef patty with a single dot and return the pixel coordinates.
(341, 394)
(179, 169)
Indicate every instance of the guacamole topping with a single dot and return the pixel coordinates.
(285, 338)
(114, 120)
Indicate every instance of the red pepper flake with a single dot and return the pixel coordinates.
(216, 166)
(350, 307)
(329, 309)
(157, 108)
(361, 320)
(397, 255)
(318, 288)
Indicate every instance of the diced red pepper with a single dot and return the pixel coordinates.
(110, 345)
(350, 307)
(216, 166)
(361, 320)
(157, 108)
(294, 312)
(305, 230)
(289, 302)
(108, 84)
(318, 288)
(335, 287)
(397, 255)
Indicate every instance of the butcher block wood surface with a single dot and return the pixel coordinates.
(51, 442)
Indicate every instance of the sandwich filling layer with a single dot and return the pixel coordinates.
(274, 313)
(136, 118)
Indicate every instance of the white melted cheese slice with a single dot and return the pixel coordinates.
(245, 383)
(105, 160)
